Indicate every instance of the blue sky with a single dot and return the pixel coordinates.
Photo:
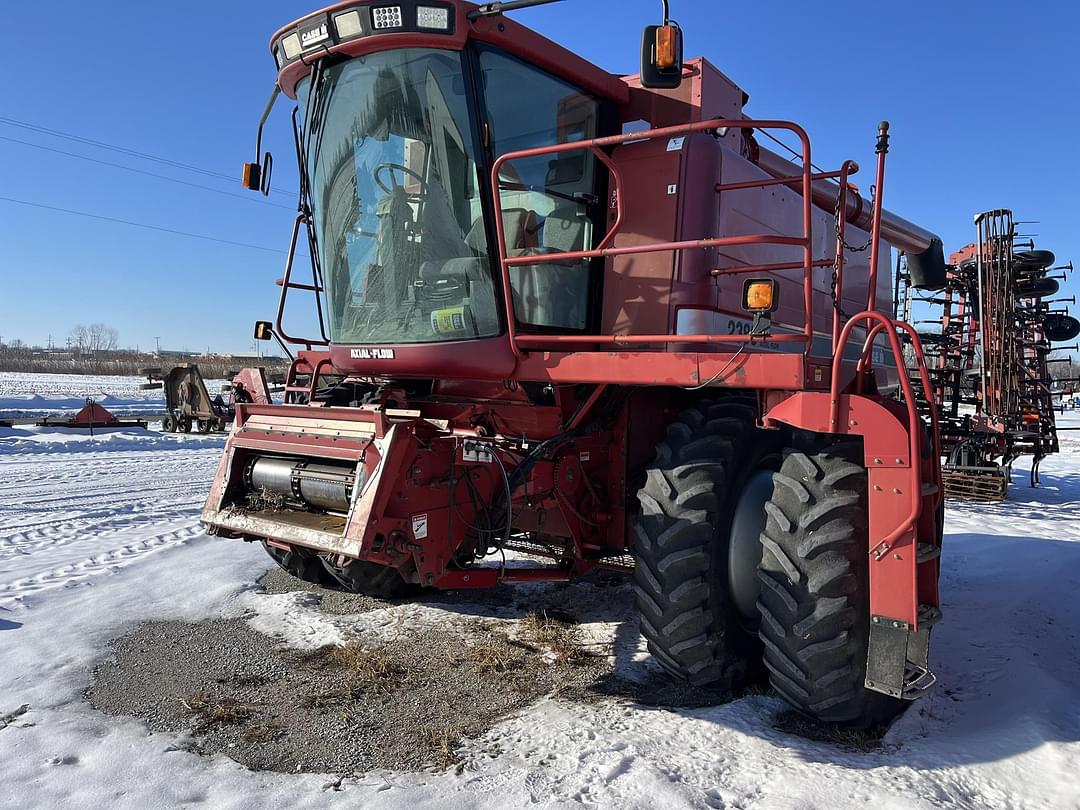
(982, 97)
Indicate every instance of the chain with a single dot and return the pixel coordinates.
(837, 213)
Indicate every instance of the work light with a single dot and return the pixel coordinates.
(290, 46)
(348, 25)
(386, 17)
(433, 17)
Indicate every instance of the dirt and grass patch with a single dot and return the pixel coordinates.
(402, 705)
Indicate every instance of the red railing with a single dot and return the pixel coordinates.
(286, 283)
(596, 146)
(882, 323)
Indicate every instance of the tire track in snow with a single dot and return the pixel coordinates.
(104, 562)
(64, 530)
(68, 520)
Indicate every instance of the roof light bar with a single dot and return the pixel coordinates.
(325, 30)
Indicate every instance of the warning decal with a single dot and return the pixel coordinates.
(419, 526)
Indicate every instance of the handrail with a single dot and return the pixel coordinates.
(924, 374)
(596, 146)
(287, 284)
(885, 324)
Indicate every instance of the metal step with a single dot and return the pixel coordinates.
(926, 552)
(929, 616)
(917, 681)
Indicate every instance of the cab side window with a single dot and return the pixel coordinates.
(546, 200)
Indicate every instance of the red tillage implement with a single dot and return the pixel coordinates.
(92, 416)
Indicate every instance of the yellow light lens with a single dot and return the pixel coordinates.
(759, 296)
(666, 57)
(251, 178)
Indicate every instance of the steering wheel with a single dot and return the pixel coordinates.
(405, 170)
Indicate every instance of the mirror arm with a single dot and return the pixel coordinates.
(262, 121)
(282, 344)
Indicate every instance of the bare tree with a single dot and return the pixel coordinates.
(79, 338)
(103, 338)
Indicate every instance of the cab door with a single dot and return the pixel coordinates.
(551, 203)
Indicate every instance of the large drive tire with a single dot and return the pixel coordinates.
(814, 600)
(303, 565)
(370, 579)
(681, 545)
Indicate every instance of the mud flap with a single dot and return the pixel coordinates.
(897, 662)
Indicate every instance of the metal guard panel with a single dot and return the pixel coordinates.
(247, 525)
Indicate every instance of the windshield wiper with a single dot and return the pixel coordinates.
(318, 104)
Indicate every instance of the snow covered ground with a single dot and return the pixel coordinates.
(98, 534)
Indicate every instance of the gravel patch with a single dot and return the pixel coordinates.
(404, 705)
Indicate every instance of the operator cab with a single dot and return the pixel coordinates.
(396, 154)
(401, 114)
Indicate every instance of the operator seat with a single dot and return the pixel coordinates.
(520, 226)
(555, 295)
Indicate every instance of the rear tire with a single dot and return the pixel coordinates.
(168, 424)
(183, 424)
(814, 600)
(681, 545)
(205, 425)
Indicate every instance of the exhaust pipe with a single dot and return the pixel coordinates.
(925, 251)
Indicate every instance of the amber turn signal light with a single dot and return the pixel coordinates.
(666, 47)
(263, 330)
(252, 179)
(760, 295)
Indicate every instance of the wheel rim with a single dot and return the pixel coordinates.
(744, 542)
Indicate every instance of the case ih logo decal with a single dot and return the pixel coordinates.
(372, 354)
(314, 35)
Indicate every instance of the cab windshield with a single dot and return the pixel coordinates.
(396, 200)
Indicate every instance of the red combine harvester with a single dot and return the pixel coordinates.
(593, 320)
(990, 363)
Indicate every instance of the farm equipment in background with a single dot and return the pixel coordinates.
(990, 363)
(188, 402)
(546, 327)
(92, 415)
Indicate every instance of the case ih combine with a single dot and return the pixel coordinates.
(990, 360)
(586, 317)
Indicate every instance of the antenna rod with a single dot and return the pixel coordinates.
(491, 9)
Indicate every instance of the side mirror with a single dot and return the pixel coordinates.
(263, 330)
(256, 177)
(662, 57)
